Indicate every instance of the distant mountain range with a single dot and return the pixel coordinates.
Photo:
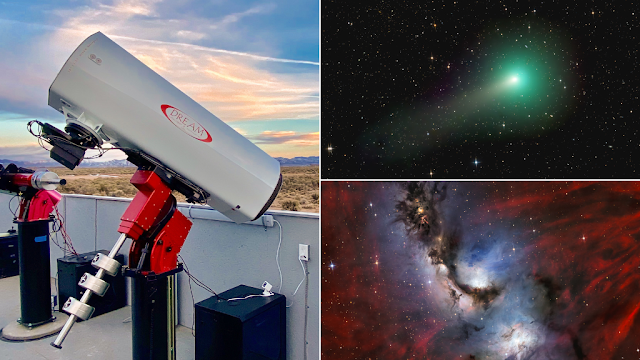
(299, 161)
(296, 161)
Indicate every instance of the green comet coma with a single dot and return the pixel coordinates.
(529, 65)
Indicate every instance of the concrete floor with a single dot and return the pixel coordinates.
(104, 337)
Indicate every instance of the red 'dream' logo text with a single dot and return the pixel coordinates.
(183, 122)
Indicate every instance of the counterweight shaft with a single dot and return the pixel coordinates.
(75, 307)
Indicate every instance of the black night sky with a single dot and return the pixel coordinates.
(485, 89)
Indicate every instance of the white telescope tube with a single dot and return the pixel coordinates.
(118, 98)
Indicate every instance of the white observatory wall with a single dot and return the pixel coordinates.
(6, 218)
(220, 253)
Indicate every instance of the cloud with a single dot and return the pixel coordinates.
(35, 153)
(232, 18)
(161, 21)
(232, 85)
(186, 34)
(286, 137)
(133, 7)
(190, 35)
(240, 131)
(31, 152)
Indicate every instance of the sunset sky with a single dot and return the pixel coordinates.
(253, 64)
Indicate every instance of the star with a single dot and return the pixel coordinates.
(332, 265)
(476, 162)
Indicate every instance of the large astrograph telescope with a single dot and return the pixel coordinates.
(109, 96)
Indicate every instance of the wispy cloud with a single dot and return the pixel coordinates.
(237, 85)
(31, 152)
(128, 19)
(35, 153)
(133, 7)
(287, 137)
(235, 17)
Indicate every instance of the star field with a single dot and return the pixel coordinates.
(503, 89)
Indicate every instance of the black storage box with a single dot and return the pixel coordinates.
(71, 269)
(249, 329)
(9, 263)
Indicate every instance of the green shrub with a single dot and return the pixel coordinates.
(291, 205)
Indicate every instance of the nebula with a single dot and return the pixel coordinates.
(506, 270)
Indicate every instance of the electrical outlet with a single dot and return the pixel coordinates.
(303, 252)
(267, 220)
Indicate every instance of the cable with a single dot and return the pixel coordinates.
(306, 313)
(55, 239)
(278, 255)
(304, 276)
(195, 279)
(250, 296)
(278, 264)
(42, 139)
(193, 300)
(13, 212)
(61, 228)
(53, 235)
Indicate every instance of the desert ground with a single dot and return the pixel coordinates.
(300, 185)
